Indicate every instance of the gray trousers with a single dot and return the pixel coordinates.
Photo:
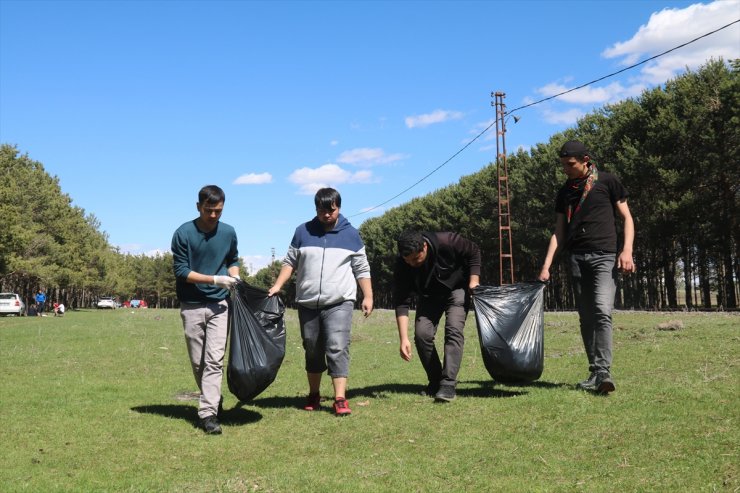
(326, 337)
(594, 286)
(206, 326)
(455, 307)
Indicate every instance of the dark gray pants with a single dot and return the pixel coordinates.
(326, 336)
(428, 313)
(594, 286)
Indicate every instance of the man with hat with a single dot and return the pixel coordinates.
(586, 207)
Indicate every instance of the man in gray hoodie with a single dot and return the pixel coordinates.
(328, 257)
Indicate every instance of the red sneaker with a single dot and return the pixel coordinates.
(341, 407)
(313, 402)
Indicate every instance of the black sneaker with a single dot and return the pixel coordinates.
(432, 389)
(446, 393)
(589, 383)
(210, 425)
(604, 383)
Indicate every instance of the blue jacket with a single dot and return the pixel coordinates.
(327, 263)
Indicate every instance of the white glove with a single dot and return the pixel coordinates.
(225, 282)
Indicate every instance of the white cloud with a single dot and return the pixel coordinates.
(436, 116)
(254, 179)
(568, 117)
(664, 30)
(368, 156)
(671, 27)
(311, 179)
(334, 143)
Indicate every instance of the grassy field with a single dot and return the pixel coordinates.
(102, 401)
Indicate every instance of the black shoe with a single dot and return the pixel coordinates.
(431, 390)
(604, 383)
(589, 383)
(210, 425)
(446, 393)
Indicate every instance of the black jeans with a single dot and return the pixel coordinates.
(455, 307)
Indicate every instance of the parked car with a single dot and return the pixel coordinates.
(136, 304)
(106, 302)
(12, 304)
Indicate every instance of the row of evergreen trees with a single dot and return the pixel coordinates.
(676, 148)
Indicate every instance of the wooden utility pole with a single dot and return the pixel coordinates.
(506, 254)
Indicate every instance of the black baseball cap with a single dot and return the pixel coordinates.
(573, 148)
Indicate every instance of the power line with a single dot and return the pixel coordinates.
(624, 69)
(428, 174)
(538, 102)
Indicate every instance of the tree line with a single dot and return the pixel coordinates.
(675, 148)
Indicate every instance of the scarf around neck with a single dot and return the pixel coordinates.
(587, 183)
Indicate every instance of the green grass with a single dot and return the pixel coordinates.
(91, 402)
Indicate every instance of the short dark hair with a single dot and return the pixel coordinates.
(211, 194)
(410, 242)
(326, 198)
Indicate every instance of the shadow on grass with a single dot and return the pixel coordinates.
(485, 389)
(375, 391)
(233, 416)
(275, 402)
(536, 384)
(378, 391)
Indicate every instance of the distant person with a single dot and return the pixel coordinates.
(587, 206)
(441, 269)
(59, 309)
(40, 301)
(328, 257)
(206, 266)
(32, 310)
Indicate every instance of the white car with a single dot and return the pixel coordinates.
(12, 304)
(106, 302)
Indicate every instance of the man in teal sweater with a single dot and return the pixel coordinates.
(206, 265)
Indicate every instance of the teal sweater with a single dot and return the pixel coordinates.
(207, 253)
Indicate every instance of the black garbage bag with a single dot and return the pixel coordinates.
(511, 329)
(256, 341)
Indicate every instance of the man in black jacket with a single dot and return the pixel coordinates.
(441, 269)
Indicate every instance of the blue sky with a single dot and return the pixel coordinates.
(135, 105)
